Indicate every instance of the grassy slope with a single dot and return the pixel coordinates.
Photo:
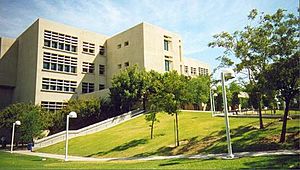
(199, 133)
(16, 161)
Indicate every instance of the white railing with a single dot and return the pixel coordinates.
(58, 137)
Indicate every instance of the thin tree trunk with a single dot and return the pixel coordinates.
(177, 131)
(261, 125)
(152, 125)
(284, 123)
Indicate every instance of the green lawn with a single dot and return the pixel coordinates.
(16, 161)
(199, 133)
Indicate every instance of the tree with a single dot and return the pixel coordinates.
(33, 118)
(268, 38)
(172, 95)
(127, 88)
(198, 89)
(283, 76)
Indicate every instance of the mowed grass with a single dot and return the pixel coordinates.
(16, 161)
(198, 133)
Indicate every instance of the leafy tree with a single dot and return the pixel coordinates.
(283, 76)
(127, 88)
(198, 89)
(88, 112)
(33, 120)
(266, 39)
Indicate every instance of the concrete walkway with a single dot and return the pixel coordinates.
(199, 156)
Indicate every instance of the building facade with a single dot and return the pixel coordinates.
(50, 63)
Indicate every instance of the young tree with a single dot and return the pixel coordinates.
(283, 76)
(173, 94)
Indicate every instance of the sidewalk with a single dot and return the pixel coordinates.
(199, 156)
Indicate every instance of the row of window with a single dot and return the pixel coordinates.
(60, 41)
(61, 63)
(57, 85)
(53, 106)
(50, 84)
(201, 71)
(67, 64)
(126, 43)
(69, 43)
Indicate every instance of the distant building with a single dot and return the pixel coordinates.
(50, 63)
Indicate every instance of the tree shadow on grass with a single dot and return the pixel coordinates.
(122, 147)
(276, 162)
(244, 138)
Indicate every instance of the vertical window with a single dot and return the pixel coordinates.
(168, 65)
(186, 69)
(119, 66)
(101, 50)
(180, 57)
(166, 45)
(101, 69)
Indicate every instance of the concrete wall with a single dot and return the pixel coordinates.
(154, 52)
(132, 53)
(26, 66)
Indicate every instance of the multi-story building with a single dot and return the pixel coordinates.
(50, 63)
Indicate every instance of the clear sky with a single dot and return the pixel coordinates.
(195, 20)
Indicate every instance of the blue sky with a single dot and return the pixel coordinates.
(195, 20)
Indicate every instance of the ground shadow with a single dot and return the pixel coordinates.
(122, 147)
(276, 162)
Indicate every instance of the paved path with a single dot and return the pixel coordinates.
(199, 156)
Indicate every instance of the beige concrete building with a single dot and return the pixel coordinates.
(50, 63)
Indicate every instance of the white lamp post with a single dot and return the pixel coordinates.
(212, 102)
(70, 115)
(227, 74)
(18, 123)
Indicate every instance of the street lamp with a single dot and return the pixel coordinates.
(18, 123)
(70, 115)
(212, 102)
(226, 75)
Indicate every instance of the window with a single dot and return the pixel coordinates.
(126, 64)
(180, 57)
(168, 65)
(101, 69)
(193, 71)
(53, 106)
(166, 45)
(60, 41)
(87, 87)
(88, 48)
(119, 66)
(88, 67)
(119, 46)
(186, 69)
(101, 86)
(59, 63)
(58, 85)
(101, 50)
(126, 43)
